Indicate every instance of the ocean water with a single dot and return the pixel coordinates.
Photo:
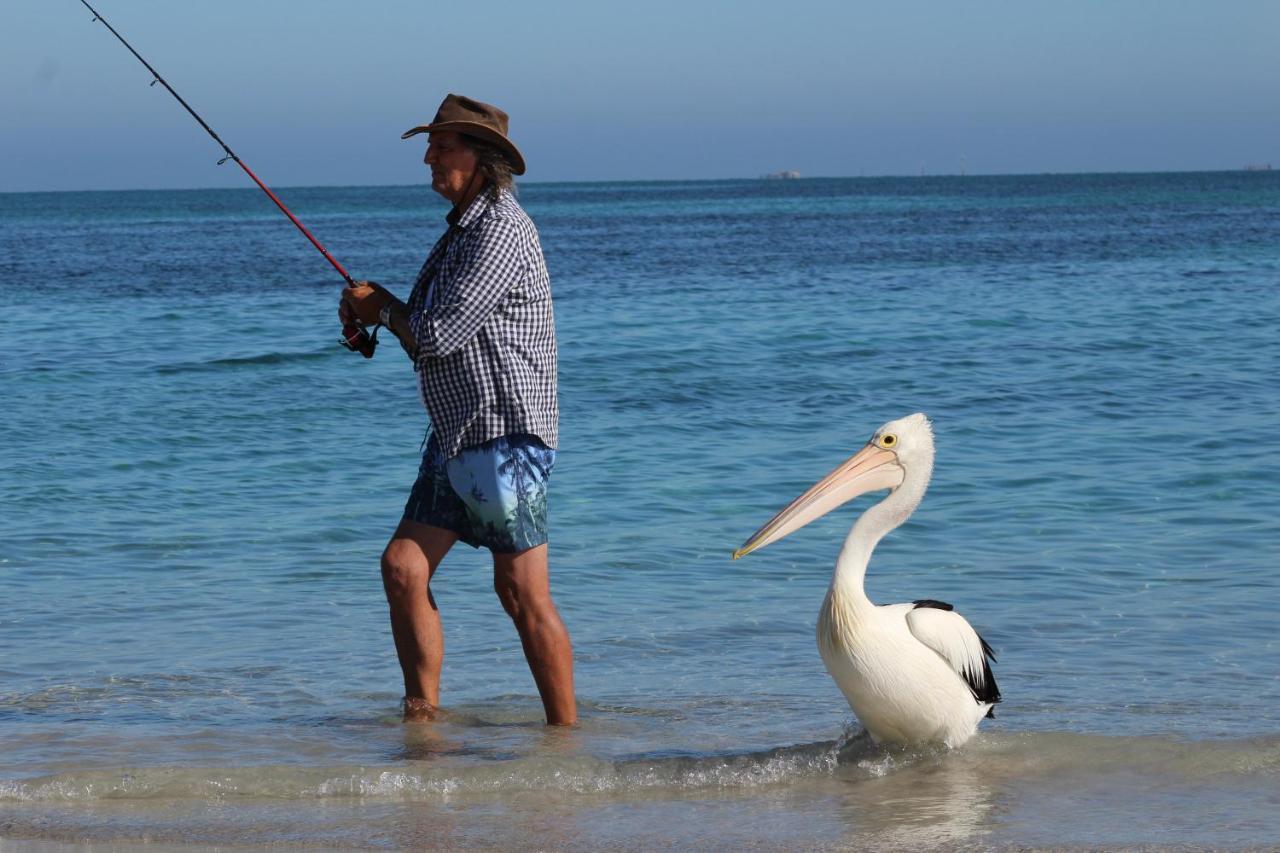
(196, 483)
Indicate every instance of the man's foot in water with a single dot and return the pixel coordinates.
(419, 710)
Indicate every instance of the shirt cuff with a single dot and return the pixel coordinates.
(417, 325)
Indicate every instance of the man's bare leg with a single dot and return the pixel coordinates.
(408, 563)
(524, 588)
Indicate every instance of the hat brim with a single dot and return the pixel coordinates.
(480, 131)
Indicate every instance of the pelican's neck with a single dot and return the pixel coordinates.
(847, 582)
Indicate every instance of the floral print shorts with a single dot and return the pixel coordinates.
(493, 495)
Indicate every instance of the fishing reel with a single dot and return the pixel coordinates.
(357, 338)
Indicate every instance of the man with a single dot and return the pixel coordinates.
(479, 328)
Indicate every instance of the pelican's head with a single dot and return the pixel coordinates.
(896, 451)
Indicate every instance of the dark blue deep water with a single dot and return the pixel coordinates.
(196, 483)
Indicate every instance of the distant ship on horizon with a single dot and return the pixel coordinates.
(1258, 167)
(788, 175)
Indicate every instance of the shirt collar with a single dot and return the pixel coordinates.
(474, 211)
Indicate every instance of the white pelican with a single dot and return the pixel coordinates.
(913, 673)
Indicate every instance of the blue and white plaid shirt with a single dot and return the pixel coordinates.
(481, 315)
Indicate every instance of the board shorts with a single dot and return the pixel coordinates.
(493, 495)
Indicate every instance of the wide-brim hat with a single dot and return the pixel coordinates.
(473, 118)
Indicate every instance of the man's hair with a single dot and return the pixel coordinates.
(493, 164)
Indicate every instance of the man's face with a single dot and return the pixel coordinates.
(452, 163)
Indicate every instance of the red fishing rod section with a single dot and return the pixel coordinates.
(354, 336)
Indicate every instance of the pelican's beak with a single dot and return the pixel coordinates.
(870, 469)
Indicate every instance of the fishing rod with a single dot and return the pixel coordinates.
(355, 337)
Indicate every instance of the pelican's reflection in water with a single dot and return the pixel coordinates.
(913, 798)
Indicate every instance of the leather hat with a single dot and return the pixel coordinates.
(473, 118)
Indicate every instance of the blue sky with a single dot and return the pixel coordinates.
(318, 92)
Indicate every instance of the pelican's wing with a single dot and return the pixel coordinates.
(938, 626)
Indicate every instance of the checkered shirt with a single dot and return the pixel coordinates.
(481, 315)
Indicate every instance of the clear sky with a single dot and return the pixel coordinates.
(318, 92)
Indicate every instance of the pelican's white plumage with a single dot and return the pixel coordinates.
(913, 673)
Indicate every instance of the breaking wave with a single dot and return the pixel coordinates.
(1008, 756)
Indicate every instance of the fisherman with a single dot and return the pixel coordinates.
(478, 326)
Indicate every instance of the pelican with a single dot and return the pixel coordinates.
(912, 673)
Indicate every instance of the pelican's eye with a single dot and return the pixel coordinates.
(888, 440)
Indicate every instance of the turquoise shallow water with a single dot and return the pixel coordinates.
(196, 483)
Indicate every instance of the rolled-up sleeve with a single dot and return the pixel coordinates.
(491, 264)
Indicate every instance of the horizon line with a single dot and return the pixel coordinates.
(765, 178)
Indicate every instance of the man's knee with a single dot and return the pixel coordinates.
(520, 580)
(509, 595)
(404, 569)
(522, 601)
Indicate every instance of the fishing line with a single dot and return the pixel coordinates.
(354, 336)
